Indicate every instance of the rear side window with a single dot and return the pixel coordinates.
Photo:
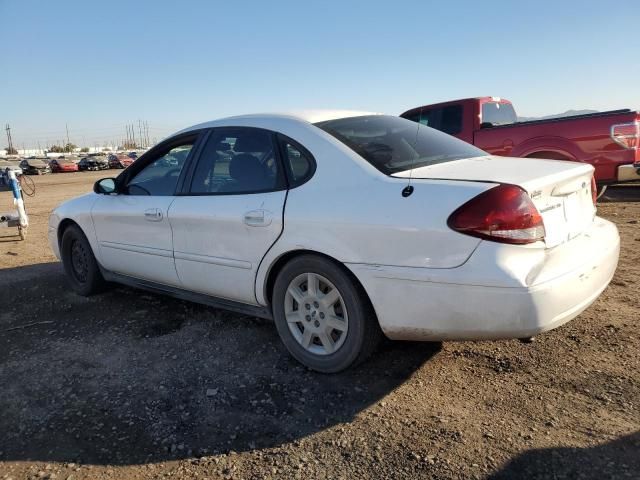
(497, 113)
(394, 144)
(298, 161)
(446, 119)
(239, 160)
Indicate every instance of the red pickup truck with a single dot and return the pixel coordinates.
(610, 141)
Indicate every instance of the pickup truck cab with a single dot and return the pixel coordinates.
(610, 141)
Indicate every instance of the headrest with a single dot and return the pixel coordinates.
(246, 169)
(252, 143)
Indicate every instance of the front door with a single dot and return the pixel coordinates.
(132, 227)
(230, 214)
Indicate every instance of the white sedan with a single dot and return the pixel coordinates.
(342, 227)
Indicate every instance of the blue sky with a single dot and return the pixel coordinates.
(99, 65)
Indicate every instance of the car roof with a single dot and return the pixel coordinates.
(302, 116)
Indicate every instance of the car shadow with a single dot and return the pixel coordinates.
(616, 459)
(127, 377)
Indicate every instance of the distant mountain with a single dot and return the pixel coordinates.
(568, 113)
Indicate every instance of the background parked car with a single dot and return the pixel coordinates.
(59, 165)
(13, 165)
(93, 163)
(35, 166)
(119, 160)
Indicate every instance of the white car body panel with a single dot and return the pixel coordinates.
(77, 210)
(135, 237)
(425, 281)
(220, 240)
(525, 291)
(410, 232)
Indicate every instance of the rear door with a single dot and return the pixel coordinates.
(230, 213)
(133, 227)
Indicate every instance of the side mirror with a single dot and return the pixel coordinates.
(486, 125)
(105, 186)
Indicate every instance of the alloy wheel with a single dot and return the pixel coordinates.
(316, 314)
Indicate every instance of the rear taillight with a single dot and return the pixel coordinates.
(627, 135)
(594, 190)
(503, 214)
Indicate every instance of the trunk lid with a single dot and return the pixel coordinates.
(561, 191)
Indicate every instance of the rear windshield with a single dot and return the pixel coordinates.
(394, 144)
(497, 113)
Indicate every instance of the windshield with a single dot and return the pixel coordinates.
(497, 113)
(394, 144)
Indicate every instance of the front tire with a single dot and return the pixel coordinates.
(80, 265)
(323, 316)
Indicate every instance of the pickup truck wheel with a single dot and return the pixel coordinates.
(80, 265)
(323, 317)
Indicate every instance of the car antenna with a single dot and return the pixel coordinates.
(408, 190)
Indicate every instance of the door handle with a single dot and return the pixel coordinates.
(153, 214)
(257, 218)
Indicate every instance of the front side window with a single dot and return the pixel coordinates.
(239, 160)
(160, 177)
(394, 144)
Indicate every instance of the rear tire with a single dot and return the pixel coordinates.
(328, 326)
(80, 265)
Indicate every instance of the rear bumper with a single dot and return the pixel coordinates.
(501, 292)
(629, 173)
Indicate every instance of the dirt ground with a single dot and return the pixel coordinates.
(131, 385)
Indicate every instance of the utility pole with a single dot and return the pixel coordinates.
(67, 127)
(8, 130)
(139, 132)
(133, 136)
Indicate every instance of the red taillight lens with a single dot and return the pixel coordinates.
(594, 190)
(502, 214)
(627, 135)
